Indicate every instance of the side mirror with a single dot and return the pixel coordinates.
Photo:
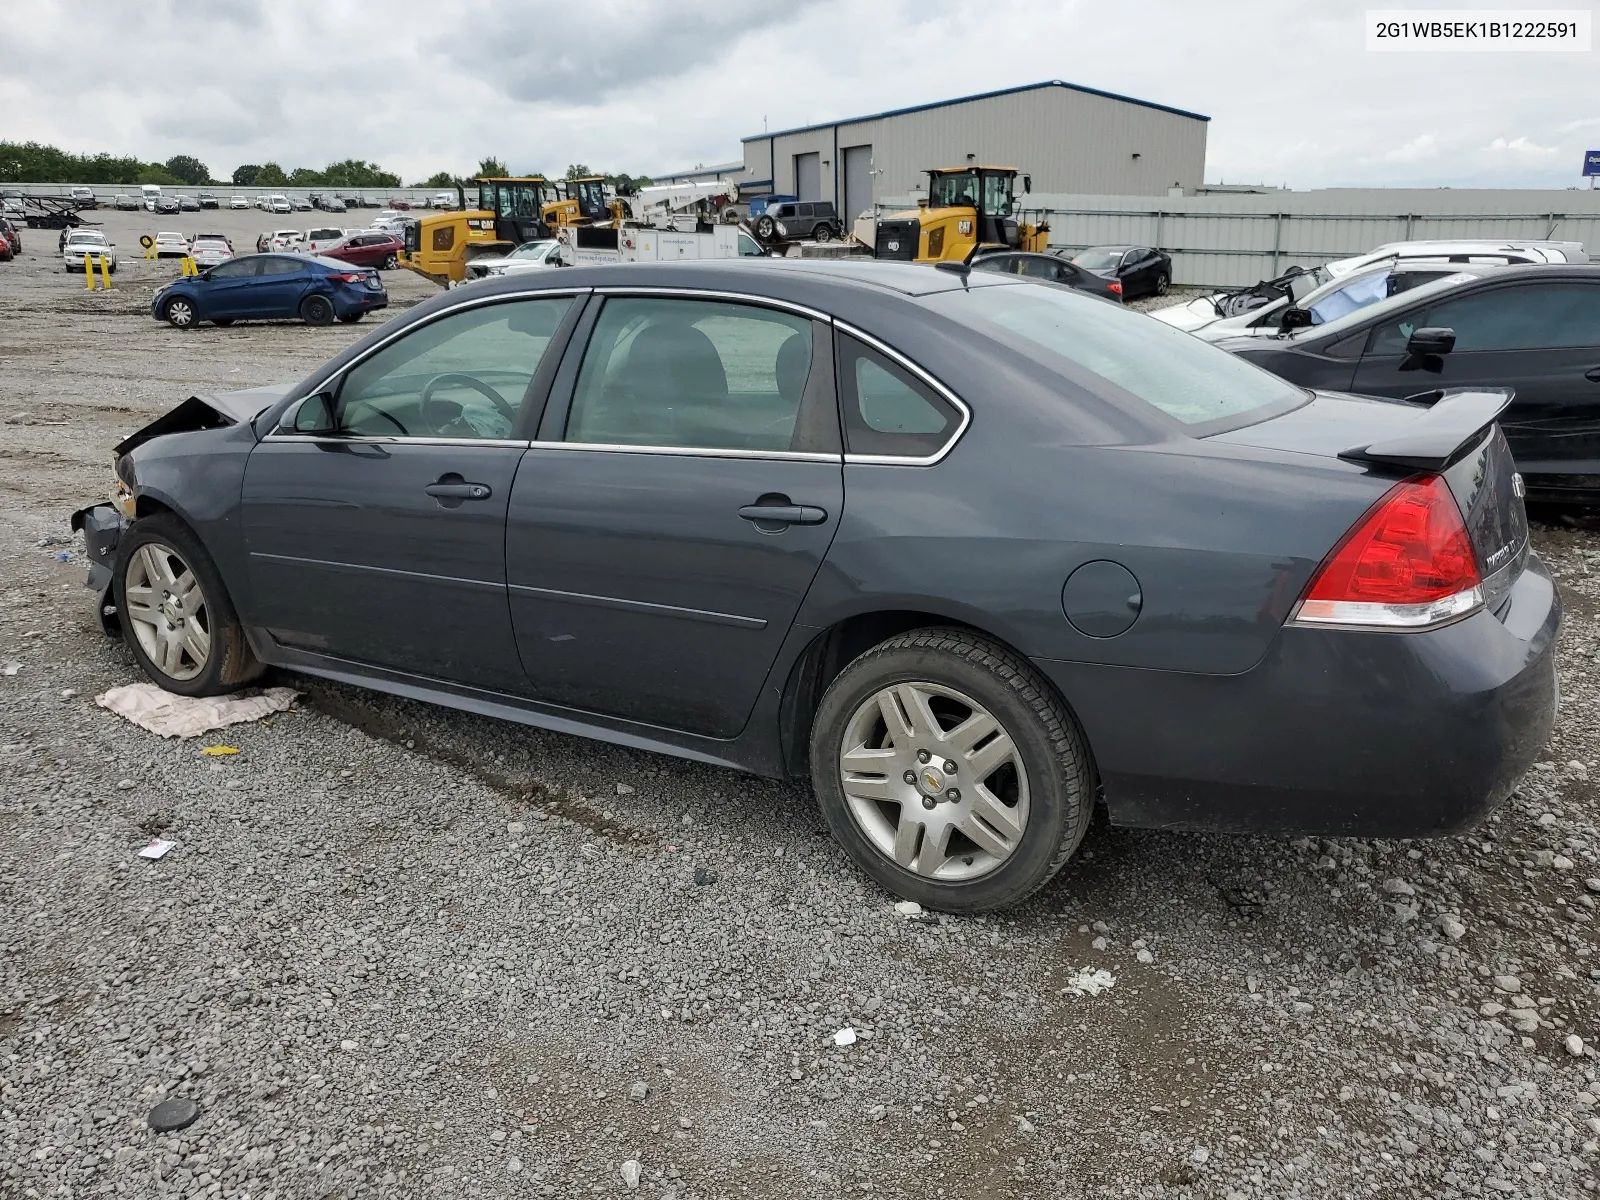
(1426, 348)
(1294, 318)
(1027, 183)
(1431, 339)
(314, 414)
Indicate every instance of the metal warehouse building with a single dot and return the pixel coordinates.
(1069, 138)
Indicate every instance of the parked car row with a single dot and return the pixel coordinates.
(363, 247)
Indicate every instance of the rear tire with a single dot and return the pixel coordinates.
(317, 310)
(1023, 783)
(390, 263)
(170, 575)
(1161, 285)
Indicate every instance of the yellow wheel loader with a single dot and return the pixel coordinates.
(967, 207)
(508, 212)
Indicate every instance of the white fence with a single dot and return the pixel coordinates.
(370, 197)
(1234, 239)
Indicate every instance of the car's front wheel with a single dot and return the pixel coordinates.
(179, 312)
(317, 310)
(951, 771)
(765, 227)
(822, 233)
(176, 615)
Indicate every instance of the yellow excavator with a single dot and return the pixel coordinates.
(583, 202)
(967, 207)
(507, 212)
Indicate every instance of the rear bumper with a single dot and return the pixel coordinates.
(347, 301)
(1334, 732)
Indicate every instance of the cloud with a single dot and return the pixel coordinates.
(1419, 148)
(1520, 147)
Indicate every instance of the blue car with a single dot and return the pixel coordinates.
(272, 287)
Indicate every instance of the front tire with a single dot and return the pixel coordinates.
(176, 615)
(822, 234)
(317, 310)
(765, 228)
(951, 771)
(180, 313)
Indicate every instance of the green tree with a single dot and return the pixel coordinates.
(578, 171)
(306, 177)
(627, 185)
(156, 173)
(439, 179)
(245, 176)
(189, 169)
(271, 175)
(492, 168)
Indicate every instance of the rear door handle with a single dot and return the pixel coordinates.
(1593, 376)
(783, 514)
(459, 491)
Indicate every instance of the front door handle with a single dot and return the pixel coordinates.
(1593, 376)
(783, 514)
(459, 491)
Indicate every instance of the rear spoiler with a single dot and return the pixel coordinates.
(1440, 434)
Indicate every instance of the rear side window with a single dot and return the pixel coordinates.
(887, 410)
(1190, 381)
(692, 374)
(280, 266)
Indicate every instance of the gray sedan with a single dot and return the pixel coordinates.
(971, 552)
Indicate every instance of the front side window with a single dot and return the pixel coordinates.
(1358, 293)
(959, 190)
(997, 195)
(1532, 316)
(887, 410)
(1189, 380)
(239, 268)
(463, 376)
(691, 374)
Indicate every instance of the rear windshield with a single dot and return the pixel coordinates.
(1098, 259)
(1190, 381)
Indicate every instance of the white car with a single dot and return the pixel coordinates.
(88, 243)
(209, 249)
(279, 204)
(287, 239)
(318, 240)
(530, 256)
(238, 202)
(1271, 296)
(172, 245)
(264, 203)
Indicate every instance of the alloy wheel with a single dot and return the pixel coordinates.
(167, 607)
(934, 781)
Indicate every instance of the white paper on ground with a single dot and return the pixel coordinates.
(156, 848)
(149, 707)
(1090, 982)
(845, 1037)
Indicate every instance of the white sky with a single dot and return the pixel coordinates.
(627, 85)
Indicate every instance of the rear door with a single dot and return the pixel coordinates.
(282, 284)
(667, 525)
(1541, 338)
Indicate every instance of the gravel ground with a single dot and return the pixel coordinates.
(401, 951)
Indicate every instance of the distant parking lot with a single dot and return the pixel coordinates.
(404, 951)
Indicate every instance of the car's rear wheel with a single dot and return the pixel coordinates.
(317, 310)
(176, 615)
(1161, 285)
(179, 313)
(391, 262)
(951, 771)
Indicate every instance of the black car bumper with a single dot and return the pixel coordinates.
(1334, 732)
(102, 527)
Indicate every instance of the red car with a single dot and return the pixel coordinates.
(10, 239)
(367, 250)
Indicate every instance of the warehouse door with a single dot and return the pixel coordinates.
(808, 176)
(857, 182)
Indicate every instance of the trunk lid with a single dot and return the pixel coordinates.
(1456, 436)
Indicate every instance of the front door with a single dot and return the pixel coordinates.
(381, 540)
(665, 530)
(1540, 338)
(228, 287)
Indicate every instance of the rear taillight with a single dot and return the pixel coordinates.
(348, 277)
(1408, 564)
(1114, 287)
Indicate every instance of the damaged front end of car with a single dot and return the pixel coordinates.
(103, 525)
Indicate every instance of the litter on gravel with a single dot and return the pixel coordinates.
(1090, 983)
(169, 715)
(845, 1036)
(157, 848)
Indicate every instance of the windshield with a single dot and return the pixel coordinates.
(1098, 258)
(959, 190)
(1190, 381)
(1388, 305)
(533, 250)
(1358, 293)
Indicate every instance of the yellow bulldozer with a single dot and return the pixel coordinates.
(583, 202)
(505, 213)
(967, 207)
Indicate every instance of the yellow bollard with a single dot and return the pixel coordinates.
(190, 267)
(88, 272)
(149, 244)
(105, 272)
